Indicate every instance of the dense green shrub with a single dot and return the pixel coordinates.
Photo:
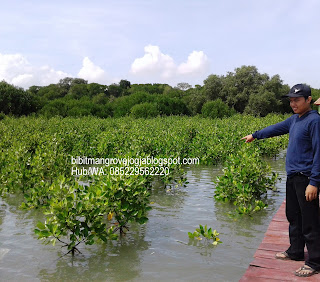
(155, 88)
(262, 103)
(68, 106)
(82, 214)
(57, 107)
(144, 110)
(78, 91)
(100, 99)
(216, 109)
(123, 105)
(51, 92)
(246, 178)
(96, 89)
(16, 101)
(195, 99)
(170, 106)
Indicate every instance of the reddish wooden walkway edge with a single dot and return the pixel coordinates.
(265, 267)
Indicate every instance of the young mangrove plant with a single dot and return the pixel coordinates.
(204, 233)
(76, 216)
(95, 212)
(246, 178)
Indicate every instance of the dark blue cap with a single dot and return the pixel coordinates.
(299, 90)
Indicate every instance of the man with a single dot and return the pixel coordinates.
(303, 178)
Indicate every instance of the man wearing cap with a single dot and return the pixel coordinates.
(303, 178)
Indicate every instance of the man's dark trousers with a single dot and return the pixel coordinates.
(304, 223)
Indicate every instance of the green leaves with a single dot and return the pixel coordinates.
(246, 178)
(142, 220)
(203, 232)
(41, 226)
(75, 217)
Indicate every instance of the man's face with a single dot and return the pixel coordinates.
(300, 105)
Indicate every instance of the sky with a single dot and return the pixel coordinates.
(151, 41)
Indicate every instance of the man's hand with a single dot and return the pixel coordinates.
(311, 192)
(249, 138)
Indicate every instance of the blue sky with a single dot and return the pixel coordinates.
(157, 41)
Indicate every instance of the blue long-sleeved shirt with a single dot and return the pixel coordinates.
(303, 153)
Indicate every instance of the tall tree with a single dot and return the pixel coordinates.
(124, 84)
(15, 100)
(213, 87)
(77, 91)
(183, 86)
(66, 83)
(240, 85)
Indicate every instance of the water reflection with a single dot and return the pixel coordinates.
(167, 198)
(2, 211)
(114, 261)
(204, 248)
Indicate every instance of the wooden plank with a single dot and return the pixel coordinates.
(274, 233)
(264, 254)
(278, 226)
(280, 218)
(258, 274)
(273, 247)
(265, 267)
(284, 265)
(256, 279)
(269, 254)
(276, 240)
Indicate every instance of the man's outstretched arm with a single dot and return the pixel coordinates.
(270, 131)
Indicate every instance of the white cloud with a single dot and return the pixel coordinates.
(15, 69)
(154, 66)
(92, 73)
(22, 79)
(154, 63)
(157, 66)
(197, 63)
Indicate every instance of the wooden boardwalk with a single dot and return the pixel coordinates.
(265, 267)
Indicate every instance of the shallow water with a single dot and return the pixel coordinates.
(160, 250)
